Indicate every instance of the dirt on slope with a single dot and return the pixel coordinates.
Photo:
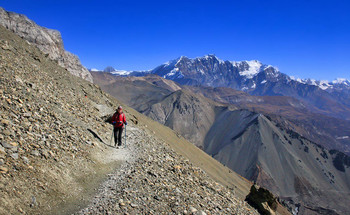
(54, 150)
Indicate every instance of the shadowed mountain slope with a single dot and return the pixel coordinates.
(301, 172)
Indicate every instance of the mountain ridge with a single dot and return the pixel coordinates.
(49, 41)
(323, 84)
(256, 79)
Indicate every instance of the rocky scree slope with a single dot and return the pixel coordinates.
(49, 41)
(160, 180)
(52, 137)
(297, 170)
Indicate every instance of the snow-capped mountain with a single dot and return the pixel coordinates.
(254, 78)
(212, 71)
(339, 83)
(249, 76)
(114, 71)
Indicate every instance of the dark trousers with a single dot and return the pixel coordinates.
(118, 135)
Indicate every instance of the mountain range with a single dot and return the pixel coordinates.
(315, 111)
(282, 142)
(255, 78)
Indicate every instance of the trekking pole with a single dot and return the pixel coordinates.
(125, 137)
(111, 137)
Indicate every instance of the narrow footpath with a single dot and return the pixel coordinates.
(153, 179)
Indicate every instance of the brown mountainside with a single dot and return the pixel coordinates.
(301, 172)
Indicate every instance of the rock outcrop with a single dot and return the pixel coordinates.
(49, 41)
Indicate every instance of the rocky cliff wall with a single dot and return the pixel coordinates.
(49, 41)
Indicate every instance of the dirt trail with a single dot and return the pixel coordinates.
(152, 178)
(113, 161)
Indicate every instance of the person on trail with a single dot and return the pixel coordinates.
(118, 120)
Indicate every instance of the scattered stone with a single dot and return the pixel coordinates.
(28, 114)
(6, 132)
(3, 169)
(34, 203)
(35, 153)
(19, 80)
(14, 156)
(192, 210)
(45, 154)
(133, 205)
(9, 145)
(5, 122)
(25, 160)
(2, 150)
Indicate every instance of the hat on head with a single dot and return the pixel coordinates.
(120, 107)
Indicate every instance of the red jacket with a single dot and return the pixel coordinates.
(118, 120)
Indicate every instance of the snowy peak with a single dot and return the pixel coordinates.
(248, 69)
(94, 70)
(113, 71)
(210, 57)
(339, 83)
(121, 72)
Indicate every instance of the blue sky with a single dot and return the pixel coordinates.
(302, 38)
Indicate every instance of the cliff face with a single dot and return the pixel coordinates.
(49, 41)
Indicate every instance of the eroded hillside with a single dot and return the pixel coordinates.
(296, 169)
(55, 149)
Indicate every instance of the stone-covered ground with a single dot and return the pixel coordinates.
(158, 180)
(54, 149)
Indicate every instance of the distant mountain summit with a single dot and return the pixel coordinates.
(214, 72)
(339, 83)
(109, 69)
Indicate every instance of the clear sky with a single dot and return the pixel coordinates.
(303, 38)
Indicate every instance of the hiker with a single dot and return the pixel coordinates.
(118, 120)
